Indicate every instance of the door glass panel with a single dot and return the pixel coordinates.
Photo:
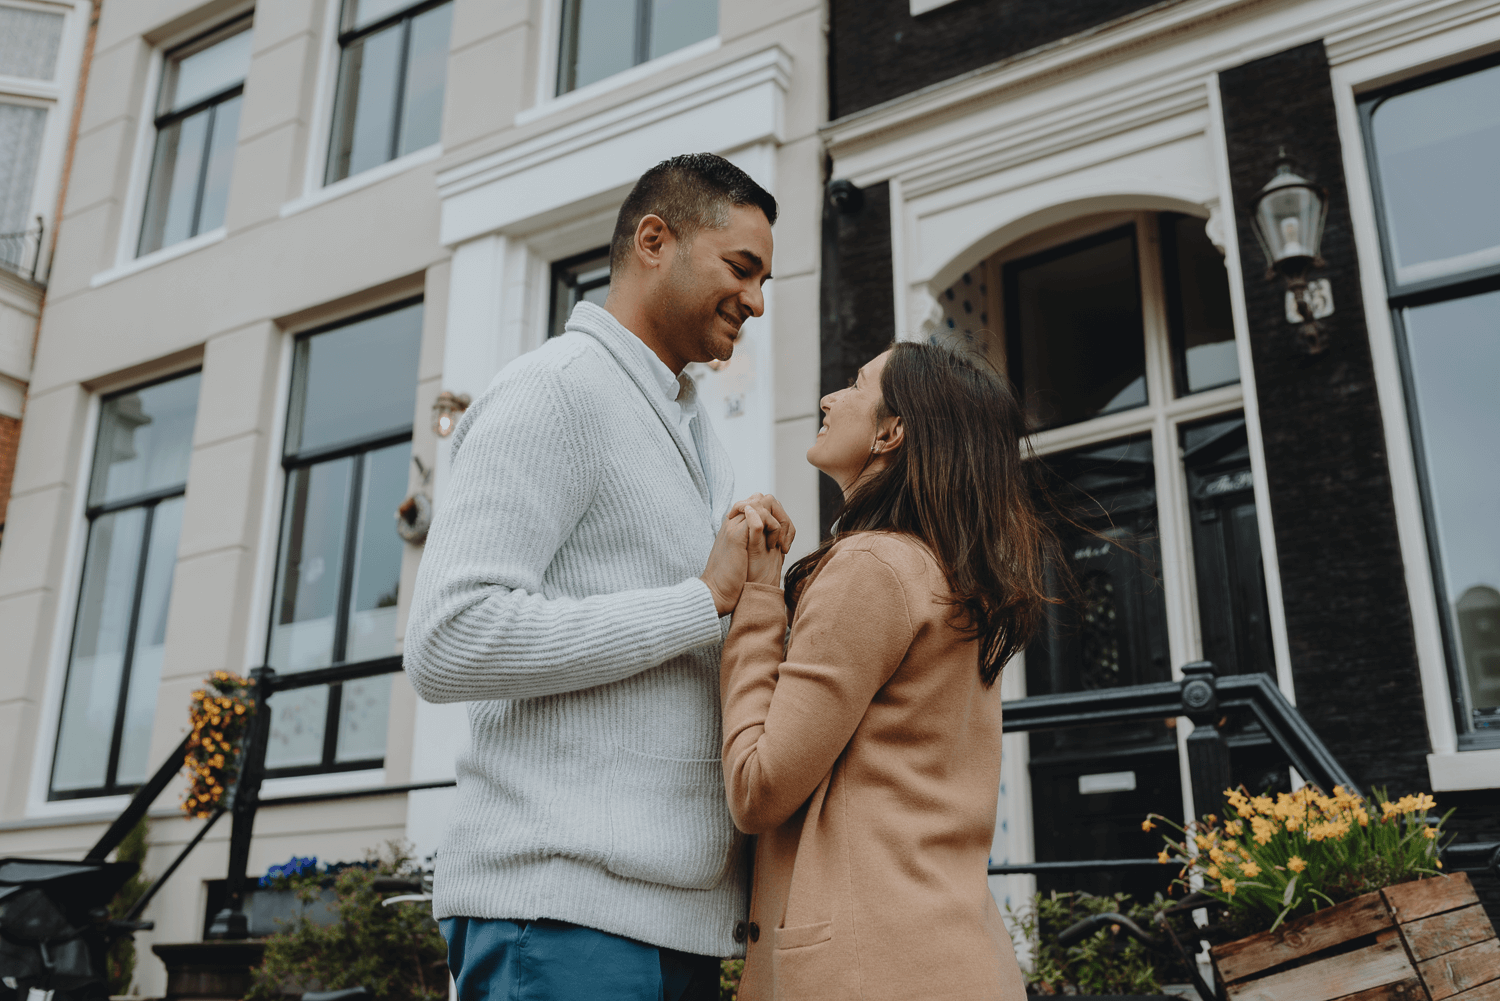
(369, 73)
(1077, 347)
(575, 281)
(426, 74)
(1455, 353)
(298, 720)
(110, 568)
(1113, 634)
(357, 381)
(1436, 150)
(678, 23)
(1197, 288)
(377, 562)
(603, 41)
(150, 642)
(29, 42)
(363, 713)
(312, 546)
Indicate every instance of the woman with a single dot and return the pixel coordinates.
(867, 757)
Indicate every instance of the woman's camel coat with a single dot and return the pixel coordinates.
(868, 761)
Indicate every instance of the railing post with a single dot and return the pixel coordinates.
(1208, 752)
(231, 922)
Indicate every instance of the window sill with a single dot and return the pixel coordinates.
(307, 785)
(362, 180)
(1464, 770)
(573, 98)
(151, 260)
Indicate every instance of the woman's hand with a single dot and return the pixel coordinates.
(780, 532)
(763, 557)
(728, 563)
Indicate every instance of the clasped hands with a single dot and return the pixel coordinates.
(751, 544)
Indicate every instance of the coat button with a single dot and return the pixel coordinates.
(739, 931)
(754, 932)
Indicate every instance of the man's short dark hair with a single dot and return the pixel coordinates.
(689, 192)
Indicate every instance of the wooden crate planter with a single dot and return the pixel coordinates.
(1427, 940)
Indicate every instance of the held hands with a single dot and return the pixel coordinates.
(751, 544)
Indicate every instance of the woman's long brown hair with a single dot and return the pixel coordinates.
(959, 483)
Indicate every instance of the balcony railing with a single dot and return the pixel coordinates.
(21, 252)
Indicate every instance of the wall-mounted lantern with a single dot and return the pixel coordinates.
(446, 410)
(1288, 219)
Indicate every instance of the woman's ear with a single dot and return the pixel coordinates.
(889, 435)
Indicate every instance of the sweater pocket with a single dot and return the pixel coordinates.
(669, 820)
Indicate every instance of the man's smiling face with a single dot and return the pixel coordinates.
(713, 285)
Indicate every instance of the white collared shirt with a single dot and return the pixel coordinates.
(678, 391)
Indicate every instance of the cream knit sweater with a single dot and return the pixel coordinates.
(559, 596)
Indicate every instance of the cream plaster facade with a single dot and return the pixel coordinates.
(520, 179)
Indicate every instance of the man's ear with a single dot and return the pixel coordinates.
(653, 241)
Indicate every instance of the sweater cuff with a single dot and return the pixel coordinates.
(693, 606)
(760, 602)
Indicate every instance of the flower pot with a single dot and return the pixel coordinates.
(1426, 940)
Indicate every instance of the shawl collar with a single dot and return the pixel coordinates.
(714, 483)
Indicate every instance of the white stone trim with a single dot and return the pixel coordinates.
(1464, 770)
(306, 785)
(546, 105)
(592, 161)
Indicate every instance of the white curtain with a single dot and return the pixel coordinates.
(20, 145)
(29, 40)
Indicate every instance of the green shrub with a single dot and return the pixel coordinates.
(119, 962)
(1108, 962)
(396, 952)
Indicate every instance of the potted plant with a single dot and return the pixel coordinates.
(1326, 897)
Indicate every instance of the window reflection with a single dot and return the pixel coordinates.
(1436, 150)
(1454, 350)
(1077, 346)
(602, 37)
(584, 278)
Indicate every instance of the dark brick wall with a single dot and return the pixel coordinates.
(877, 51)
(858, 299)
(1348, 617)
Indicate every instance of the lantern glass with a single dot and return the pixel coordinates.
(1289, 220)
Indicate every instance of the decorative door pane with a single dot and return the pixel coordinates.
(1197, 290)
(1076, 343)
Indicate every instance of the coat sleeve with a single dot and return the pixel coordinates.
(524, 473)
(787, 721)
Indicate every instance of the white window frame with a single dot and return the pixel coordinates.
(549, 101)
(134, 215)
(1357, 68)
(57, 96)
(320, 131)
(37, 803)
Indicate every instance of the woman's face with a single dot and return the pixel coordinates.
(849, 429)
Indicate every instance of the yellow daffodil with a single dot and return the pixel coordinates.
(1227, 885)
(1250, 869)
(1295, 864)
(1163, 857)
(1146, 825)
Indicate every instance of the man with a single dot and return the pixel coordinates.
(568, 595)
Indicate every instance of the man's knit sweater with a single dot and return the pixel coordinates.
(559, 596)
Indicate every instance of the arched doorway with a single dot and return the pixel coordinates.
(1117, 331)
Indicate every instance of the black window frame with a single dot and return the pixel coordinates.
(292, 460)
(348, 36)
(149, 499)
(165, 120)
(1399, 297)
(567, 290)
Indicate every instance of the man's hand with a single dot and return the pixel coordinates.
(728, 563)
(780, 532)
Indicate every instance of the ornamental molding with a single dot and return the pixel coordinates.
(729, 107)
